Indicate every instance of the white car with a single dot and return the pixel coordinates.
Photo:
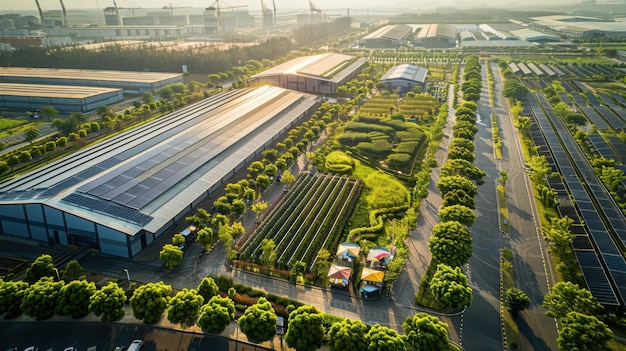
(31, 348)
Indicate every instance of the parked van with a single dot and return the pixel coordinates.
(135, 345)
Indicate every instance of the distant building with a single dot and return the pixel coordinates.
(130, 82)
(404, 78)
(535, 36)
(390, 36)
(34, 41)
(134, 32)
(319, 74)
(65, 99)
(436, 36)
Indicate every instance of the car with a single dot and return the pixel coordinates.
(135, 345)
(70, 348)
(31, 348)
(119, 348)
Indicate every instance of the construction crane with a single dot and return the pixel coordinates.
(117, 14)
(171, 7)
(218, 12)
(313, 8)
(274, 5)
(266, 15)
(43, 21)
(65, 21)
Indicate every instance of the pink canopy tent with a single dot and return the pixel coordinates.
(339, 272)
(378, 254)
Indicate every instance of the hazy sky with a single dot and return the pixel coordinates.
(253, 4)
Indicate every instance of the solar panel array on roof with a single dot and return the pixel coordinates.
(108, 208)
(406, 72)
(151, 174)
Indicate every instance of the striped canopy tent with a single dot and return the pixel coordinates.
(371, 275)
(349, 251)
(378, 254)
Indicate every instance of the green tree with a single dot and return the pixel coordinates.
(256, 168)
(214, 318)
(41, 298)
(523, 123)
(208, 288)
(41, 267)
(458, 213)
(226, 302)
(322, 263)
(147, 98)
(612, 178)
(450, 287)
(31, 134)
(451, 243)
(296, 272)
(381, 338)
(565, 297)
(259, 207)
(463, 168)
(458, 197)
(184, 307)
(11, 297)
(305, 332)
(238, 208)
(514, 89)
(74, 298)
(559, 235)
(73, 271)
(263, 182)
(178, 239)
(49, 111)
(581, 332)
(171, 255)
(108, 302)
(149, 301)
(425, 332)
(268, 255)
(516, 300)
(258, 322)
(538, 168)
(348, 335)
(205, 237)
(201, 219)
(449, 183)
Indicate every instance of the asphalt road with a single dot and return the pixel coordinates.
(532, 270)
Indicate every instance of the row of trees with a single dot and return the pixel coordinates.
(204, 306)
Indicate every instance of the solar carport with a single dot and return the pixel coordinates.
(119, 195)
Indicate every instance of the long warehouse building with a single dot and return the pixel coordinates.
(129, 81)
(318, 74)
(119, 195)
(66, 98)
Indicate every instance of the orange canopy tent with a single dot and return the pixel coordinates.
(372, 275)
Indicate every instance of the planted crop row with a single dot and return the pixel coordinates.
(331, 241)
(310, 218)
(289, 217)
(299, 190)
(305, 221)
(307, 232)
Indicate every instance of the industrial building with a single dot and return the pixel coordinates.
(318, 74)
(386, 37)
(535, 36)
(65, 99)
(404, 78)
(582, 27)
(436, 36)
(169, 32)
(118, 196)
(130, 82)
